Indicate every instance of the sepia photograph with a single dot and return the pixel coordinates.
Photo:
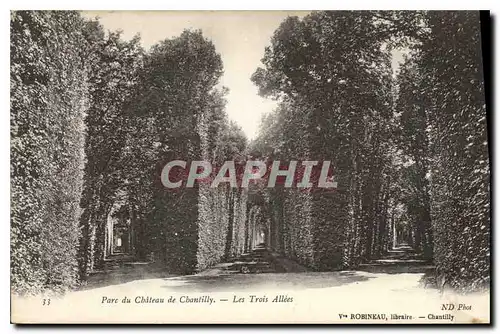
(250, 167)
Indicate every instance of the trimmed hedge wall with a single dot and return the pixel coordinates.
(221, 225)
(298, 228)
(460, 179)
(49, 97)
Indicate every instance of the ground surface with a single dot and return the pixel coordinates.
(329, 297)
(260, 287)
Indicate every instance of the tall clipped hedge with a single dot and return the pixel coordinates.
(420, 163)
(114, 68)
(333, 79)
(177, 113)
(221, 210)
(48, 102)
(460, 200)
(78, 92)
(444, 131)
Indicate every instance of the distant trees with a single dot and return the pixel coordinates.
(412, 139)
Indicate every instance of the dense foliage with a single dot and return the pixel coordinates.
(443, 135)
(414, 144)
(112, 79)
(49, 98)
(95, 118)
(93, 121)
(333, 77)
(453, 84)
(409, 150)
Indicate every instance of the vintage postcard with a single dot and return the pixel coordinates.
(185, 167)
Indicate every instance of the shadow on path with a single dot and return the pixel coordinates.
(259, 269)
(402, 259)
(126, 272)
(251, 282)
